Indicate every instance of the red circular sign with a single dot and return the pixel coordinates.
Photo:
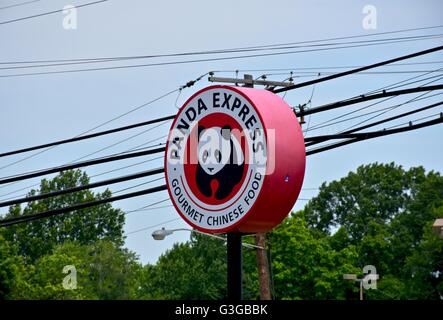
(235, 160)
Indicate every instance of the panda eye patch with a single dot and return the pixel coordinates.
(217, 154)
(205, 155)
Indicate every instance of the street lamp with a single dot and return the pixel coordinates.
(353, 277)
(162, 233)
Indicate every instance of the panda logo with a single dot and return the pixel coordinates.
(220, 161)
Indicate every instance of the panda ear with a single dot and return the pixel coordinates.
(226, 132)
(200, 131)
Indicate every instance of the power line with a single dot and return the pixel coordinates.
(50, 12)
(353, 138)
(109, 171)
(121, 141)
(296, 69)
(89, 136)
(349, 72)
(49, 213)
(59, 63)
(397, 106)
(127, 166)
(153, 226)
(420, 97)
(229, 49)
(132, 126)
(148, 206)
(392, 86)
(372, 112)
(136, 154)
(319, 139)
(138, 185)
(80, 164)
(356, 137)
(93, 176)
(323, 73)
(83, 187)
(416, 120)
(186, 85)
(364, 98)
(92, 129)
(179, 62)
(18, 4)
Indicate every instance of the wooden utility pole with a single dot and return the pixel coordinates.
(263, 267)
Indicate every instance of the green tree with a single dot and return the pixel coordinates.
(103, 271)
(425, 265)
(306, 266)
(12, 268)
(375, 192)
(192, 270)
(385, 212)
(381, 214)
(37, 238)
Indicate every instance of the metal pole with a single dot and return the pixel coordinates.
(361, 289)
(234, 247)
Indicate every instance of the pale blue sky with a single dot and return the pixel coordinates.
(39, 109)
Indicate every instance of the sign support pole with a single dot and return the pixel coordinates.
(234, 257)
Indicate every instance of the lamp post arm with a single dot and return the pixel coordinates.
(247, 245)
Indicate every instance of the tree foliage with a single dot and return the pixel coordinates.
(86, 226)
(379, 215)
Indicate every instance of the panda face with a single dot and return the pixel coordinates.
(214, 149)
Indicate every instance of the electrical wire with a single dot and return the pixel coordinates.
(85, 137)
(125, 156)
(360, 99)
(359, 137)
(50, 12)
(356, 137)
(53, 145)
(319, 139)
(416, 120)
(349, 72)
(79, 165)
(93, 176)
(368, 135)
(138, 185)
(180, 62)
(50, 213)
(121, 141)
(392, 86)
(227, 50)
(148, 206)
(153, 226)
(393, 108)
(419, 98)
(210, 52)
(83, 187)
(353, 138)
(319, 69)
(18, 4)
